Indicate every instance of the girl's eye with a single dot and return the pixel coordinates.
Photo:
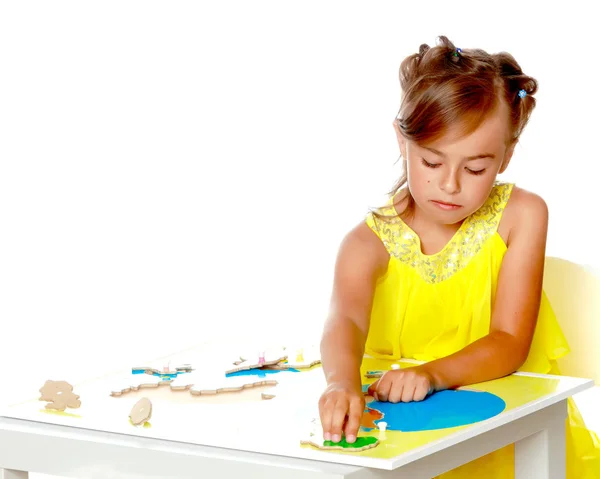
(429, 165)
(476, 172)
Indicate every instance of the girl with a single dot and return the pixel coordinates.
(450, 270)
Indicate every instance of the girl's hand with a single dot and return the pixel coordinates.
(406, 385)
(341, 408)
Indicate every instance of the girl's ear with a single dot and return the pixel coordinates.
(507, 157)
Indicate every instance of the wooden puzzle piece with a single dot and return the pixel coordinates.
(269, 394)
(213, 379)
(60, 395)
(280, 390)
(228, 384)
(258, 360)
(362, 443)
(135, 382)
(291, 387)
(167, 369)
(300, 358)
(369, 417)
(198, 383)
(141, 412)
(186, 381)
(315, 439)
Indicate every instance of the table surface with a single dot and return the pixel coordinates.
(243, 421)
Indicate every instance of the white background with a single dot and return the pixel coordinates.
(175, 172)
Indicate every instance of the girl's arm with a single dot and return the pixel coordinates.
(516, 306)
(361, 260)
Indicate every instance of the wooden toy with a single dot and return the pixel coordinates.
(362, 443)
(315, 439)
(213, 379)
(60, 395)
(270, 394)
(141, 412)
(282, 390)
(166, 370)
(138, 381)
(261, 360)
(196, 383)
(233, 384)
(300, 358)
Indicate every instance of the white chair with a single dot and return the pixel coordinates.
(574, 293)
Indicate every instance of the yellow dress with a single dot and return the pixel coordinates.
(429, 306)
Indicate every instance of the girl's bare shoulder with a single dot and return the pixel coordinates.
(524, 211)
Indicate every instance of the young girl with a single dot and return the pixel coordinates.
(450, 271)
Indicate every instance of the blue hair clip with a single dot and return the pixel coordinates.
(522, 93)
(457, 51)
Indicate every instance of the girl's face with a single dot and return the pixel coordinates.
(451, 178)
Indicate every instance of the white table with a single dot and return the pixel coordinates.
(56, 445)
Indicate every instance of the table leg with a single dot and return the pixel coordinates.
(543, 454)
(12, 474)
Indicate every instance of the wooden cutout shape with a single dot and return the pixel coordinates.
(300, 358)
(362, 443)
(315, 439)
(184, 381)
(197, 383)
(268, 394)
(231, 384)
(286, 388)
(201, 382)
(257, 361)
(60, 394)
(141, 412)
(136, 382)
(184, 368)
(278, 392)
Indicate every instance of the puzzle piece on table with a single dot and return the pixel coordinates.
(167, 369)
(199, 382)
(135, 382)
(141, 412)
(362, 443)
(315, 439)
(259, 360)
(186, 381)
(283, 389)
(59, 395)
(300, 358)
(227, 384)
(213, 379)
(269, 394)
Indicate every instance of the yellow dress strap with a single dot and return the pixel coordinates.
(489, 215)
(404, 244)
